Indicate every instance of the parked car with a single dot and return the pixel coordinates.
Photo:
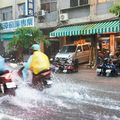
(69, 56)
(73, 52)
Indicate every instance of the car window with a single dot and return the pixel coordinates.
(79, 48)
(85, 47)
(68, 49)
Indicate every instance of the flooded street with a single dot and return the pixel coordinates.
(72, 97)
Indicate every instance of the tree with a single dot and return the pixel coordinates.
(115, 9)
(24, 37)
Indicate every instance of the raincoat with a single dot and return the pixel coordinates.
(39, 62)
(26, 68)
(2, 64)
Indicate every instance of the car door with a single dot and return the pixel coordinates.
(86, 52)
(79, 54)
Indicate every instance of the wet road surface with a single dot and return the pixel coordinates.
(78, 96)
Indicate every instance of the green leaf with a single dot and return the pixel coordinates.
(26, 36)
(115, 9)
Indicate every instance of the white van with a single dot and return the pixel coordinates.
(73, 52)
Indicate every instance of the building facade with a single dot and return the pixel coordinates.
(61, 20)
(64, 18)
(13, 15)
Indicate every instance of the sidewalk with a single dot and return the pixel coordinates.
(89, 74)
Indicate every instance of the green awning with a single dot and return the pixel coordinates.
(87, 29)
(7, 36)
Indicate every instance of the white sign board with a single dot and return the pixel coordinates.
(18, 23)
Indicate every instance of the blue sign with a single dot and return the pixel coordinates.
(18, 23)
(30, 7)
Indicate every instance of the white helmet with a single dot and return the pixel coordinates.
(35, 47)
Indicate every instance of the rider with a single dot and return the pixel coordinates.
(2, 66)
(37, 62)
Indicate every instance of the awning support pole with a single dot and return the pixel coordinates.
(112, 44)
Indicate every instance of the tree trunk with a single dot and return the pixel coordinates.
(19, 54)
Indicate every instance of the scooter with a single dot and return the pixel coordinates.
(70, 67)
(66, 66)
(116, 62)
(107, 68)
(41, 80)
(7, 86)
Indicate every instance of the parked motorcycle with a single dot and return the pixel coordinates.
(7, 86)
(116, 62)
(65, 66)
(107, 68)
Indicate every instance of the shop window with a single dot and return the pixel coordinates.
(4, 16)
(21, 9)
(6, 13)
(49, 7)
(53, 7)
(83, 2)
(74, 3)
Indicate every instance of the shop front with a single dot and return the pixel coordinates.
(102, 35)
(9, 28)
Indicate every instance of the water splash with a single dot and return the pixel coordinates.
(8, 117)
(64, 93)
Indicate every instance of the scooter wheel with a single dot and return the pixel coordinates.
(10, 91)
(98, 74)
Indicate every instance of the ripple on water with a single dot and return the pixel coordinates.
(62, 94)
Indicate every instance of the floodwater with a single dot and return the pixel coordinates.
(67, 99)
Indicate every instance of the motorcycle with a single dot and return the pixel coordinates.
(41, 80)
(107, 68)
(70, 67)
(7, 86)
(116, 62)
(65, 66)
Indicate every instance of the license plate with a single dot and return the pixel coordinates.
(64, 71)
(98, 70)
(108, 71)
(11, 85)
(49, 82)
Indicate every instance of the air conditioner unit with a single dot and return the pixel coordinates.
(41, 13)
(63, 16)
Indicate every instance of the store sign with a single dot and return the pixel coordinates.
(18, 23)
(30, 7)
(81, 41)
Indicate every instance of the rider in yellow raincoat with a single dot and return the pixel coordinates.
(37, 62)
(40, 61)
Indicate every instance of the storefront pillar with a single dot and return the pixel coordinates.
(62, 41)
(112, 44)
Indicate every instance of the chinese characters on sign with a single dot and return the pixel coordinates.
(14, 24)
